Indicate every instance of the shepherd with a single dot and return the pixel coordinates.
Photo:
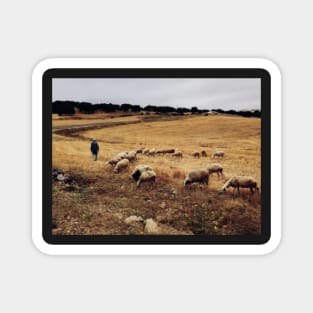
(94, 147)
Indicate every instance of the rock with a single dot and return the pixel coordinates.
(61, 177)
(163, 205)
(133, 219)
(151, 227)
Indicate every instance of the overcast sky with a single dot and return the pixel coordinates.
(205, 93)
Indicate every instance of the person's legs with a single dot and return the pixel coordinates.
(94, 156)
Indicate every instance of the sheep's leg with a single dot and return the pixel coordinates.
(138, 183)
(238, 189)
(251, 188)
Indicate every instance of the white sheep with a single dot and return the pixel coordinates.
(139, 169)
(241, 182)
(123, 155)
(178, 154)
(114, 161)
(121, 165)
(218, 154)
(131, 156)
(140, 150)
(197, 176)
(196, 154)
(152, 152)
(146, 176)
(215, 168)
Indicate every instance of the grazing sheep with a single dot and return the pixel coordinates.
(140, 150)
(139, 170)
(145, 151)
(123, 155)
(114, 161)
(197, 176)
(196, 154)
(218, 154)
(178, 154)
(163, 151)
(203, 153)
(121, 165)
(215, 168)
(146, 176)
(152, 152)
(243, 182)
(131, 156)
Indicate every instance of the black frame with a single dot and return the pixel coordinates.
(157, 73)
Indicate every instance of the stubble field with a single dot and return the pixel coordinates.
(98, 201)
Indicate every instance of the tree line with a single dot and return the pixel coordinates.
(72, 107)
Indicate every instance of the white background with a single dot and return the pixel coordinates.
(34, 30)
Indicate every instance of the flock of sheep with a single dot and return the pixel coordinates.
(144, 173)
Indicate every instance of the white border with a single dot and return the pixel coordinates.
(156, 249)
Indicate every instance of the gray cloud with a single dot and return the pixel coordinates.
(205, 93)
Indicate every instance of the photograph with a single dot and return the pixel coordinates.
(156, 156)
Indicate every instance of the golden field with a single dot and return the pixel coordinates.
(99, 201)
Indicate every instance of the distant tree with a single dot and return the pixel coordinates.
(126, 107)
(194, 110)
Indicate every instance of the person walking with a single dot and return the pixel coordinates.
(94, 147)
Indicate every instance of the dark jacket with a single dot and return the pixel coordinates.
(94, 147)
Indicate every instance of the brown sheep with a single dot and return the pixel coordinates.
(197, 176)
(218, 154)
(196, 154)
(215, 168)
(121, 165)
(241, 182)
(204, 153)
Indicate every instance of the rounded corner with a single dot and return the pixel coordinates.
(42, 67)
(271, 245)
(42, 245)
(270, 66)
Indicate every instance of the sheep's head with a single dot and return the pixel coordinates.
(187, 182)
(136, 175)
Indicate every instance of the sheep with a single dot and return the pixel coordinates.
(146, 176)
(152, 152)
(140, 150)
(121, 165)
(218, 154)
(114, 161)
(197, 176)
(131, 156)
(178, 154)
(203, 153)
(196, 154)
(243, 182)
(123, 155)
(215, 168)
(163, 151)
(145, 151)
(139, 170)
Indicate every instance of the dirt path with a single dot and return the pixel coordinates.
(75, 129)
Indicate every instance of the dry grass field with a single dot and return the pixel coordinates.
(98, 201)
